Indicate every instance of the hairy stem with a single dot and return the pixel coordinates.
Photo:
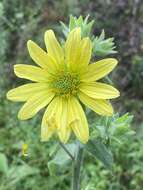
(77, 168)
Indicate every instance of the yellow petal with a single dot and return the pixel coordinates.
(49, 127)
(102, 107)
(41, 57)
(34, 104)
(73, 48)
(99, 90)
(55, 120)
(24, 92)
(78, 121)
(85, 54)
(99, 69)
(31, 73)
(67, 135)
(62, 120)
(53, 47)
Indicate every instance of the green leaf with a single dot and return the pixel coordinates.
(100, 151)
(80, 21)
(16, 173)
(102, 46)
(3, 163)
(102, 131)
(126, 118)
(102, 35)
(1, 9)
(61, 159)
(72, 22)
(116, 128)
(120, 127)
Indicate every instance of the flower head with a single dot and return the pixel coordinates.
(61, 80)
(24, 149)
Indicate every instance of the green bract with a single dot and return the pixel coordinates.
(101, 46)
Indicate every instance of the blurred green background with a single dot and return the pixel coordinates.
(28, 19)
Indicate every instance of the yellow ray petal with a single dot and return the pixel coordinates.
(99, 69)
(62, 120)
(49, 127)
(73, 48)
(53, 47)
(85, 54)
(67, 135)
(41, 57)
(102, 107)
(24, 92)
(78, 121)
(31, 73)
(99, 90)
(34, 104)
(55, 120)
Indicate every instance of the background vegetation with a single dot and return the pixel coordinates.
(28, 19)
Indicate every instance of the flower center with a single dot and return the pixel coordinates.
(66, 83)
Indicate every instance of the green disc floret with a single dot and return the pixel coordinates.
(65, 83)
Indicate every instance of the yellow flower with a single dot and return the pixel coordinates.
(62, 79)
(25, 149)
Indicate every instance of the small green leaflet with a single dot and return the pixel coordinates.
(3, 163)
(100, 151)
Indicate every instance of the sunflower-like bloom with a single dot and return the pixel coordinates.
(61, 80)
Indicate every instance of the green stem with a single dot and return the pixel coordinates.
(66, 150)
(76, 169)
